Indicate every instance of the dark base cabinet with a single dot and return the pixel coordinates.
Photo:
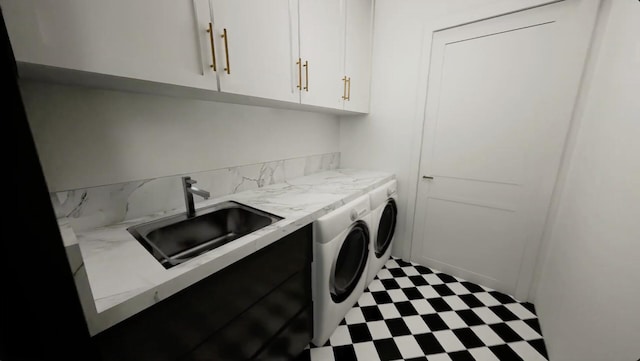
(259, 308)
(291, 340)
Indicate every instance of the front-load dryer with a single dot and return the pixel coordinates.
(340, 258)
(384, 214)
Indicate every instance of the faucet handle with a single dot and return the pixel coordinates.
(189, 181)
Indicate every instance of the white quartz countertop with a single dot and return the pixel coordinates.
(123, 278)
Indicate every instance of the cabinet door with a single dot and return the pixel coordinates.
(322, 51)
(359, 27)
(260, 48)
(154, 40)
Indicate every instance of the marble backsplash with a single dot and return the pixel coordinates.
(105, 205)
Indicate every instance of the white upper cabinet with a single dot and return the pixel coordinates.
(357, 59)
(322, 52)
(153, 40)
(335, 52)
(257, 55)
(301, 54)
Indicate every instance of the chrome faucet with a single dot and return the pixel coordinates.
(189, 191)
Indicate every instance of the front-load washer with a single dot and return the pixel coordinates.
(384, 214)
(340, 258)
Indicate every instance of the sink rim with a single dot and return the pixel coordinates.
(142, 230)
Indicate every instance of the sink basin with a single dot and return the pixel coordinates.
(176, 239)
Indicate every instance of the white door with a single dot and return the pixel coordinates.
(160, 40)
(257, 57)
(357, 60)
(499, 102)
(322, 52)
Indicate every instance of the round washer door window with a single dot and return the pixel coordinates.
(386, 228)
(351, 261)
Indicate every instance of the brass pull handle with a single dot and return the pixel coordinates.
(306, 72)
(349, 89)
(226, 50)
(344, 88)
(213, 51)
(299, 64)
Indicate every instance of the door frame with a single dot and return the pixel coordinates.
(587, 18)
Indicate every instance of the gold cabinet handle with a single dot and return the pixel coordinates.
(306, 71)
(344, 88)
(299, 64)
(349, 89)
(213, 51)
(226, 50)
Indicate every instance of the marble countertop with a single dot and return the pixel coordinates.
(117, 278)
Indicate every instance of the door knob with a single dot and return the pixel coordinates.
(427, 177)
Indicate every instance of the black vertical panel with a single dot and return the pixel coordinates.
(41, 315)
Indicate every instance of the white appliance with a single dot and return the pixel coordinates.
(340, 257)
(384, 213)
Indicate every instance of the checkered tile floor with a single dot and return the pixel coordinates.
(410, 312)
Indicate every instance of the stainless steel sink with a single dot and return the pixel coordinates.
(178, 238)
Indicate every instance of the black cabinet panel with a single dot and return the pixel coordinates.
(177, 325)
(241, 339)
(290, 341)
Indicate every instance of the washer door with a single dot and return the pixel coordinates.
(386, 228)
(351, 261)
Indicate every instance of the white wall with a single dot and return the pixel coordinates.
(588, 296)
(383, 138)
(89, 137)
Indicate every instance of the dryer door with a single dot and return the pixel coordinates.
(349, 266)
(386, 228)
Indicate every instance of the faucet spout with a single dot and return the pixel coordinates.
(201, 192)
(189, 190)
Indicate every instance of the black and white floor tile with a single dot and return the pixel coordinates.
(410, 312)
